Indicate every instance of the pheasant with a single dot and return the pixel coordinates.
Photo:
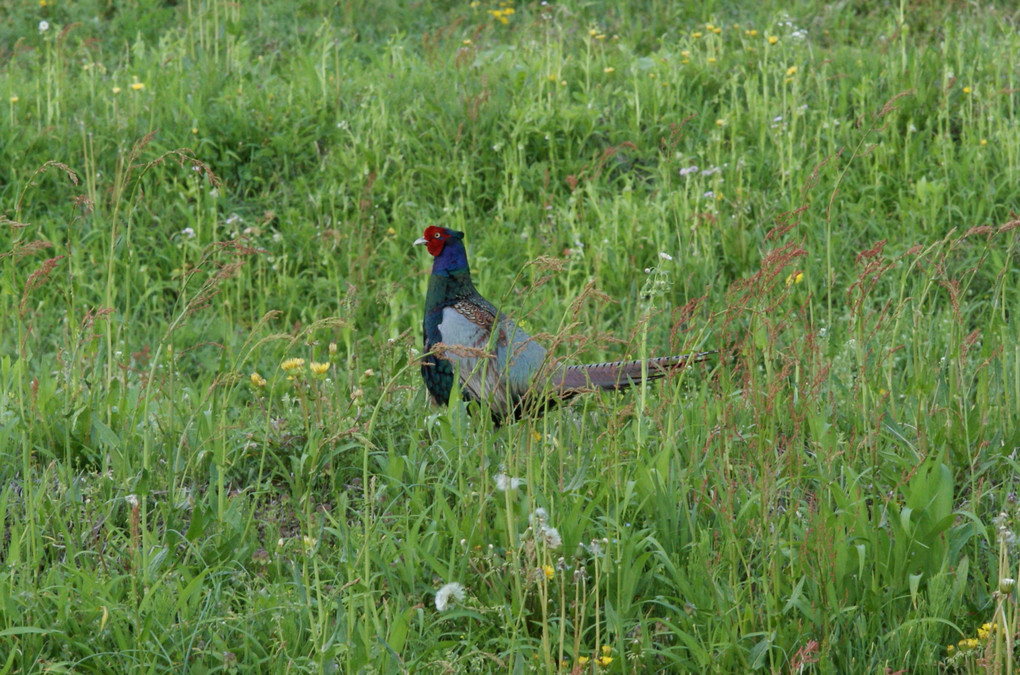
(496, 362)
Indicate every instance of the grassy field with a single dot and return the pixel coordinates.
(194, 194)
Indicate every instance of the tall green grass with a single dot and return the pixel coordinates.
(194, 194)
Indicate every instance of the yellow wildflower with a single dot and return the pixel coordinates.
(711, 59)
(319, 368)
(608, 69)
(582, 661)
(116, 90)
(604, 660)
(14, 99)
(257, 380)
(549, 571)
(792, 70)
(606, 650)
(720, 122)
(966, 90)
(696, 35)
(137, 86)
(291, 364)
(686, 54)
(983, 141)
(773, 39)
(794, 278)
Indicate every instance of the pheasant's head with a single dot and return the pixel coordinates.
(436, 238)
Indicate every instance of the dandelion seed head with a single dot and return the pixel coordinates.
(449, 593)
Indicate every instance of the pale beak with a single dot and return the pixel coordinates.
(420, 241)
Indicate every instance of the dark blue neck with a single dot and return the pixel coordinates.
(452, 259)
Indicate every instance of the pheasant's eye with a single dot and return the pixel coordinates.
(437, 235)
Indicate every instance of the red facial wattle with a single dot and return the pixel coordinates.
(435, 239)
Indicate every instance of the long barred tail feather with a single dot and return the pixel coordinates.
(619, 374)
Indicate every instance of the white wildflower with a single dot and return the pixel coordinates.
(44, 26)
(188, 233)
(689, 170)
(448, 593)
(665, 256)
(505, 482)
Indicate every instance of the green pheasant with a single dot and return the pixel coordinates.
(495, 361)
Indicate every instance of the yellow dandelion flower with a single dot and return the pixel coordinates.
(711, 59)
(600, 36)
(709, 26)
(686, 54)
(983, 141)
(592, 32)
(720, 122)
(717, 30)
(115, 90)
(792, 70)
(582, 661)
(549, 571)
(696, 35)
(794, 278)
(950, 649)
(606, 650)
(42, 3)
(13, 99)
(773, 39)
(508, 11)
(137, 86)
(608, 70)
(319, 368)
(604, 660)
(466, 42)
(257, 380)
(966, 90)
(194, 130)
(292, 364)
(563, 83)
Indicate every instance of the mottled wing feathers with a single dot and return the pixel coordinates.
(496, 360)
